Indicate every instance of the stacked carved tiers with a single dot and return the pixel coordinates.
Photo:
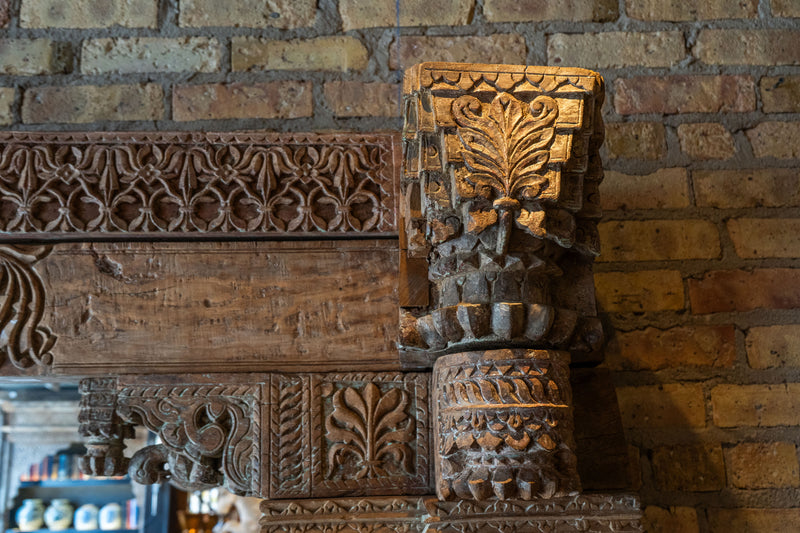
(499, 195)
(261, 257)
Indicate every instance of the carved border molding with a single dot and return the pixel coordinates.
(597, 512)
(138, 184)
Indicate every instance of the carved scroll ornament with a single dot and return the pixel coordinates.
(26, 342)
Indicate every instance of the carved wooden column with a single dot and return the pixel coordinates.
(499, 214)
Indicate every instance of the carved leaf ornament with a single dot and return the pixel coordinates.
(22, 340)
(371, 426)
(507, 146)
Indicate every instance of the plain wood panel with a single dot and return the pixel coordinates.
(235, 306)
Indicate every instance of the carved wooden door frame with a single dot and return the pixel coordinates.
(279, 263)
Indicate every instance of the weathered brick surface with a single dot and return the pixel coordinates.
(765, 237)
(658, 240)
(616, 49)
(88, 13)
(279, 99)
(150, 54)
(785, 8)
(27, 57)
(341, 53)
(662, 406)
(380, 13)
(773, 346)
(647, 290)
(6, 105)
(284, 14)
(79, 104)
(684, 94)
(635, 140)
(762, 465)
(756, 405)
(689, 467)
(357, 99)
(499, 48)
(541, 10)
(754, 520)
(686, 346)
(764, 187)
(780, 94)
(666, 188)
(706, 140)
(740, 290)
(775, 139)
(748, 47)
(670, 520)
(676, 11)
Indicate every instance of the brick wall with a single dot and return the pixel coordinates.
(699, 279)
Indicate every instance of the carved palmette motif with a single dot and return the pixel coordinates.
(500, 180)
(504, 425)
(196, 183)
(373, 434)
(26, 343)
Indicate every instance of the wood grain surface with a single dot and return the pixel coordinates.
(232, 307)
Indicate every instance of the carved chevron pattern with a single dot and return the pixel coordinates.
(291, 454)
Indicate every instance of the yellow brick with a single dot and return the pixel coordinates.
(672, 405)
(89, 13)
(666, 188)
(284, 14)
(645, 290)
(762, 465)
(773, 346)
(341, 53)
(80, 104)
(756, 405)
(616, 49)
(765, 237)
(658, 240)
(150, 54)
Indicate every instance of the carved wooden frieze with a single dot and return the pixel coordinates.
(124, 184)
(596, 513)
(499, 210)
(269, 435)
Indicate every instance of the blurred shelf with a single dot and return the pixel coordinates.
(73, 483)
(71, 530)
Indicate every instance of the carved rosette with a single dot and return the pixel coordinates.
(504, 425)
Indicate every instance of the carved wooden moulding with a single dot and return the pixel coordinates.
(596, 513)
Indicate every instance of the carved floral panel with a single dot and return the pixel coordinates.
(145, 183)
